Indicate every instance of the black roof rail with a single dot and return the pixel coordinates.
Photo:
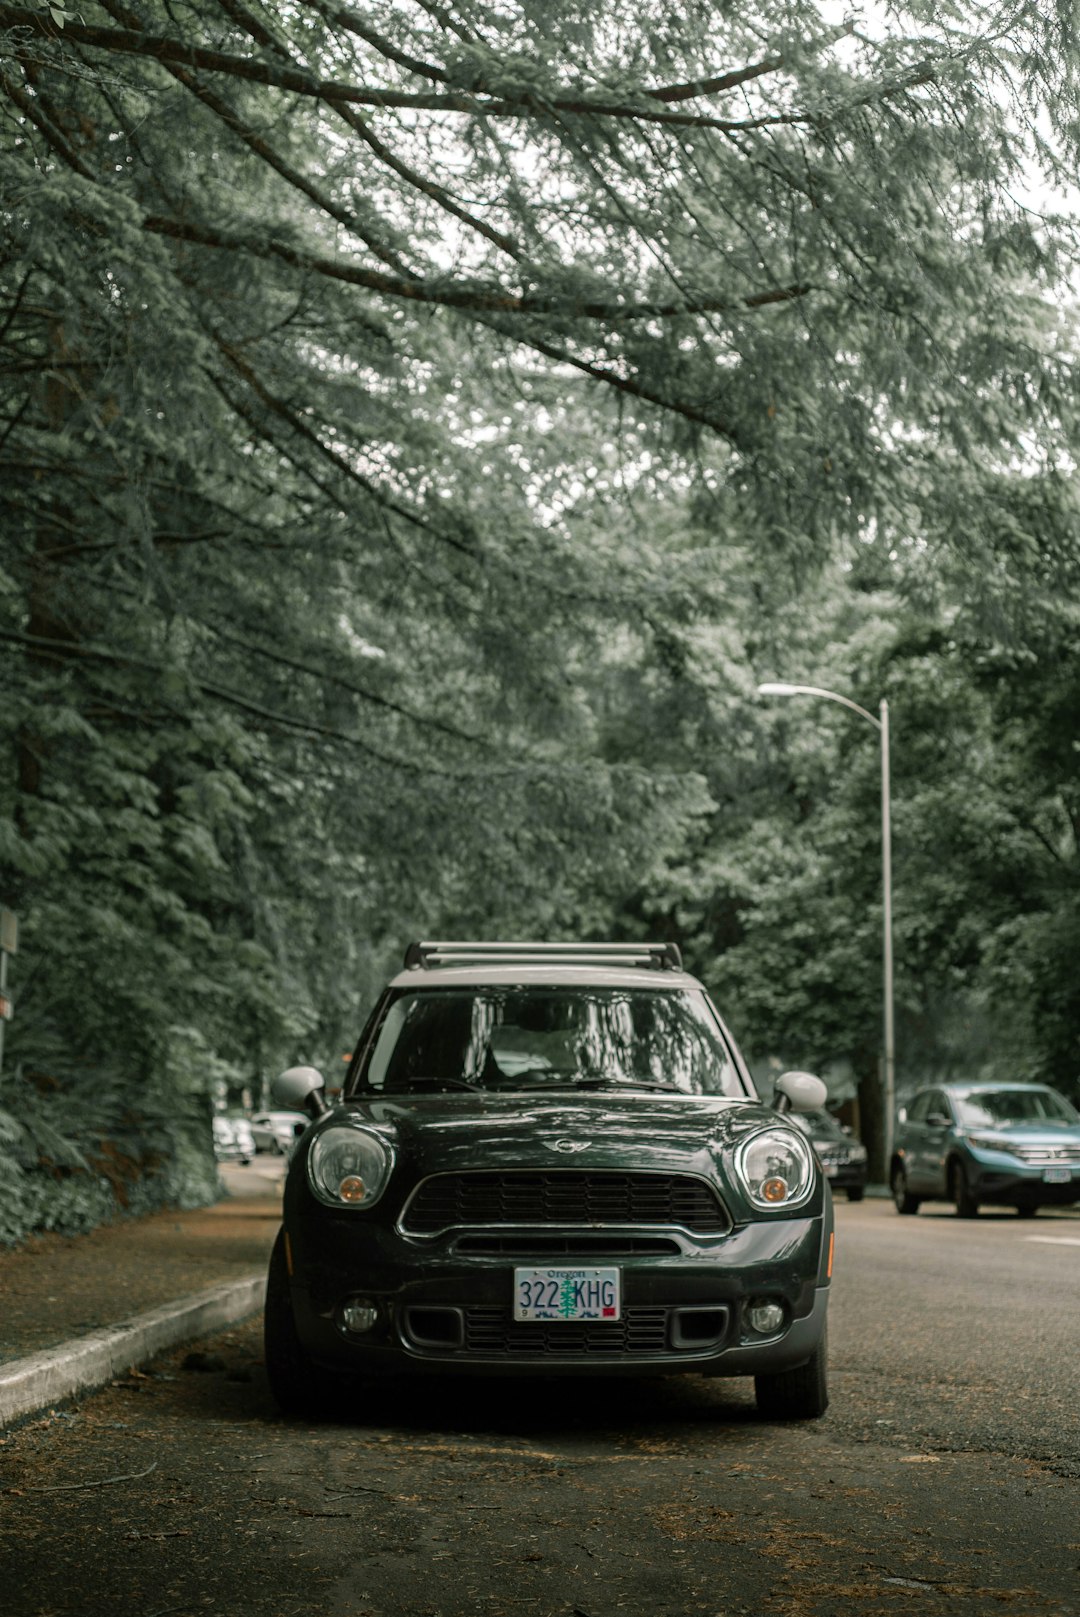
(660, 956)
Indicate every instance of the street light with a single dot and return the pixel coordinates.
(882, 726)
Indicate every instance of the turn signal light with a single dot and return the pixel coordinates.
(775, 1190)
(352, 1188)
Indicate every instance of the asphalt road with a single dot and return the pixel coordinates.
(944, 1481)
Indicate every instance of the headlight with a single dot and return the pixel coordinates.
(349, 1167)
(989, 1142)
(776, 1167)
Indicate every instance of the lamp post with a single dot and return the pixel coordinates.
(882, 726)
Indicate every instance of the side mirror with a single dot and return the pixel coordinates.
(300, 1089)
(799, 1092)
(901, 1114)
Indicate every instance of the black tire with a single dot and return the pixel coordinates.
(800, 1394)
(903, 1200)
(856, 1193)
(1027, 1209)
(962, 1199)
(298, 1387)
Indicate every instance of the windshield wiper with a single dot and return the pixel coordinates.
(425, 1082)
(624, 1083)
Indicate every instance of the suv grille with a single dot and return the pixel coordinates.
(535, 1247)
(1048, 1155)
(450, 1200)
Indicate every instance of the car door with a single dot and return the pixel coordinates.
(909, 1135)
(934, 1144)
(924, 1136)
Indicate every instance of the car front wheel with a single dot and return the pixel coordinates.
(903, 1200)
(964, 1202)
(799, 1394)
(298, 1387)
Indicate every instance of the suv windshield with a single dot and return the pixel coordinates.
(979, 1107)
(522, 1038)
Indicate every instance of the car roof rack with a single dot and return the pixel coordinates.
(660, 956)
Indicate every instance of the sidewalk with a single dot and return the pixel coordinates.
(74, 1310)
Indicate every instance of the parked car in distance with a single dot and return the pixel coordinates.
(1011, 1144)
(550, 1160)
(233, 1140)
(277, 1132)
(842, 1157)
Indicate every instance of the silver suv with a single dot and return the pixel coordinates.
(1016, 1144)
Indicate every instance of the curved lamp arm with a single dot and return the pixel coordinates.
(775, 689)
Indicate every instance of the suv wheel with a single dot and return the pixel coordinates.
(298, 1388)
(799, 1394)
(964, 1202)
(903, 1200)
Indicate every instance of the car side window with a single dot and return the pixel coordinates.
(938, 1106)
(920, 1106)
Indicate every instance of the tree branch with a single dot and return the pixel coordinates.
(262, 149)
(162, 48)
(478, 299)
(31, 108)
(356, 123)
(49, 648)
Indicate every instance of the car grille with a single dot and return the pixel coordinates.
(492, 1332)
(1047, 1156)
(561, 1246)
(448, 1201)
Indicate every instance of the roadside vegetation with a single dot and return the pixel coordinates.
(422, 426)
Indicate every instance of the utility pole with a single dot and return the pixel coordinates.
(9, 943)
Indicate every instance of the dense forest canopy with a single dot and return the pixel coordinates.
(423, 425)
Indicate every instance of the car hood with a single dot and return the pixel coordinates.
(1041, 1133)
(447, 1132)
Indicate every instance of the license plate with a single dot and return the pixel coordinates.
(570, 1294)
(1057, 1176)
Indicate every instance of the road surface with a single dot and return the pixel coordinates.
(944, 1481)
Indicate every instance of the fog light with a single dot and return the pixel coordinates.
(358, 1315)
(766, 1318)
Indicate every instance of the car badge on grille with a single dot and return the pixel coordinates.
(567, 1148)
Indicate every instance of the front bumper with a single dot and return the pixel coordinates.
(995, 1176)
(438, 1311)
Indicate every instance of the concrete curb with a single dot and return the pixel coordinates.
(34, 1383)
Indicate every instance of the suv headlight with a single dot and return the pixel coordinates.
(776, 1167)
(349, 1166)
(990, 1142)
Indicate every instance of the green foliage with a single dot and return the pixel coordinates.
(81, 1149)
(419, 432)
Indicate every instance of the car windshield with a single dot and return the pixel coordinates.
(981, 1106)
(533, 1038)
